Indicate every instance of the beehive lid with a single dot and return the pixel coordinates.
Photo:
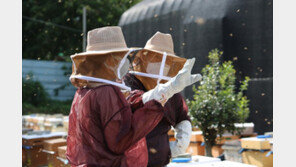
(34, 139)
(256, 143)
(53, 144)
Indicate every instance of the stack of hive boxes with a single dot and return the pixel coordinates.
(33, 145)
(53, 123)
(50, 147)
(62, 156)
(197, 147)
(257, 151)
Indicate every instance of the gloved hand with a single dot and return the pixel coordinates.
(183, 130)
(175, 85)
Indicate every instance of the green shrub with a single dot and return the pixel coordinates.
(55, 107)
(51, 107)
(33, 92)
(28, 108)
(216, 106)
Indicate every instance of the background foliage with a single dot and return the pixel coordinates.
(217, 105)
(33, 92)
(52, 30)
(36, 99)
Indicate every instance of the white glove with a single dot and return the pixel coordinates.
(175, 85)
(183, 130)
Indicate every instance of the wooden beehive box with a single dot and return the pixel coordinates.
(256, 143)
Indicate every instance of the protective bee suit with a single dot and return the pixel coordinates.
(104, 128)
(155, 67)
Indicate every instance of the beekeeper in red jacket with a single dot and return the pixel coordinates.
(153, 65)
(104, 128)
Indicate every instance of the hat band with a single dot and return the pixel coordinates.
(106, 46)
(83, 77)
(87, 78)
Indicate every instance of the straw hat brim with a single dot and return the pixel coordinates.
(101, 52)
(160, 52)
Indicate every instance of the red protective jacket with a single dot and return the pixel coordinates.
(104, 131)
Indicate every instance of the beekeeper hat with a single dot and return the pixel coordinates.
(105, 54)
(105, 40)
(161, 43)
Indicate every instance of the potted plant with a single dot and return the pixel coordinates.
(217, 105)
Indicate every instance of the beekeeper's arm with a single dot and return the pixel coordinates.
(124, 128)
(167, 90)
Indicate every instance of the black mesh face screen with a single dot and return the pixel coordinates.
(242, 29)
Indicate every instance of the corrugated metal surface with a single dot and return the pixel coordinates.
(242, 29)
(51, 75)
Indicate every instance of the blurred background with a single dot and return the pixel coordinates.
(54, 30)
